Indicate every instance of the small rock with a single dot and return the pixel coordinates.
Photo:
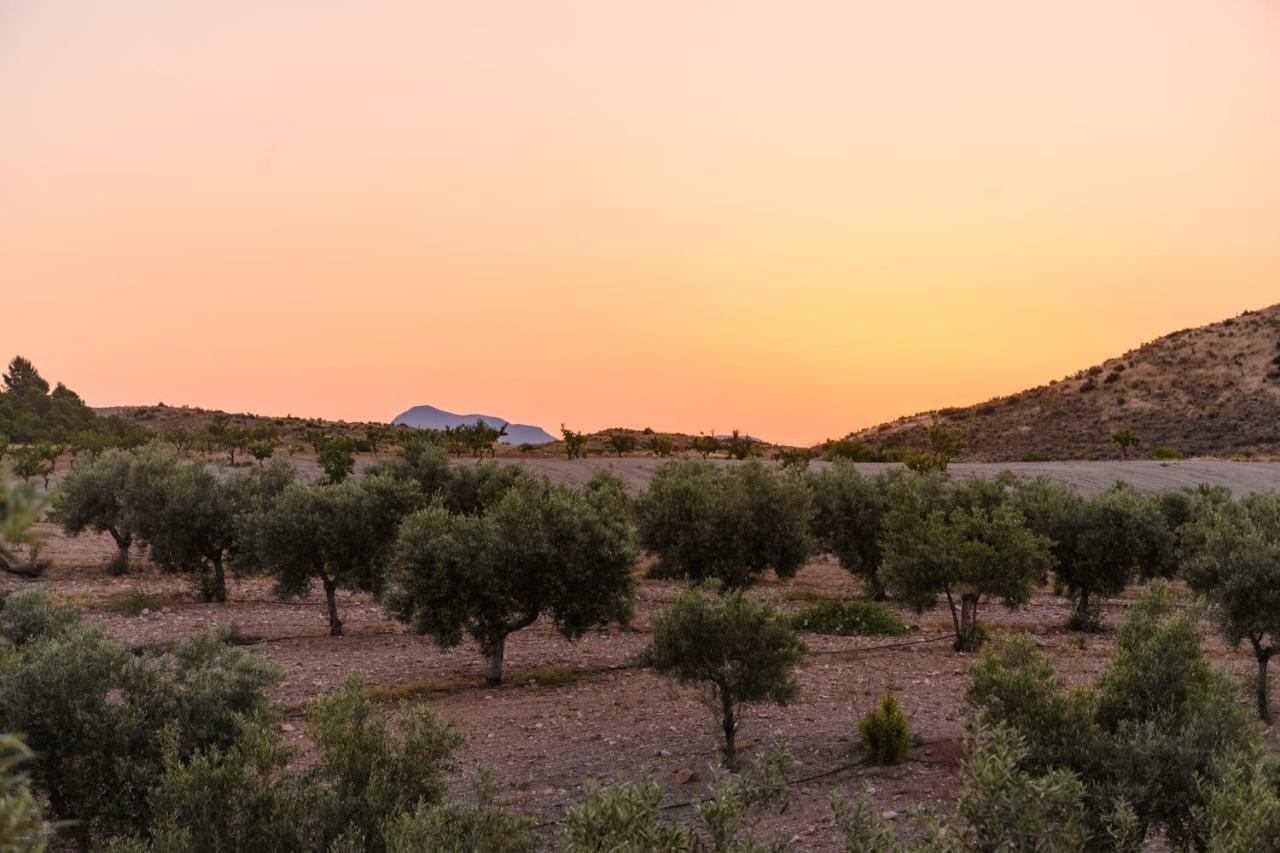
(889, 814)
(288, 727)
(146, 611)
(665, 753)
(685, 775)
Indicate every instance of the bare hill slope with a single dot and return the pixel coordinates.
(1208, 391)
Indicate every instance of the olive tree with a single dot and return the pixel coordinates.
(728, 523)
(1236, 566)
(965, 555)
(848, 519)
(91, 497)
(736, 648)
(621, 442)
(188, 517)
(538, 549)
(575, 443)
(340, 535)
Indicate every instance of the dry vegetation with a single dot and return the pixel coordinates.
(1208, 391)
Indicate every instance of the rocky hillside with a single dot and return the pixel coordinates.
(1207, 391)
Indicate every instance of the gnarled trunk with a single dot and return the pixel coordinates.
(729, 725)
(495, 653)
(966, 639)
(219, 582)
(1263, 655)
(331, 599)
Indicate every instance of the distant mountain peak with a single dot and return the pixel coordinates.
(430, 417)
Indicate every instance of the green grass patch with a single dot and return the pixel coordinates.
(131, 603)
(852, 619)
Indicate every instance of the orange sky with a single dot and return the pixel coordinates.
(791, 218)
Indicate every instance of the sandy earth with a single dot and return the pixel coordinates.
(616, 721)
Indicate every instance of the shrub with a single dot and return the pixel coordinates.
(738, 650)
(539, 549)
(453, 828)
(662, 445)
(1166, 453)
(730, 524)
(336, 456)
(1155, 733)
(794, 458)
(848, 619)
(22, 826)
(29, 614)
(738, 446)
(885, 732)
(624, 817)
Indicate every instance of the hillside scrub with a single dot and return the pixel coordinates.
(538, 549)
(729, 524)
(738, 650)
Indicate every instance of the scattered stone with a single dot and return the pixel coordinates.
(685, 775)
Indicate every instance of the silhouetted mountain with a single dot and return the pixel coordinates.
(429, 417)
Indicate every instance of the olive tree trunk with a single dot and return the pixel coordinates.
(1263, 655)
(331, 600)
(729, 725)
(495, 653)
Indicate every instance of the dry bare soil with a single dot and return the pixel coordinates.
(577, 711)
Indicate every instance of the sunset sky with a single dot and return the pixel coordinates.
(793, 218)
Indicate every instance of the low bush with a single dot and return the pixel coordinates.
(848, 619)
(885, 731)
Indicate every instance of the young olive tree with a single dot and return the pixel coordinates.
(538, 549)
(965, 555)
(848, 521)
(621, 442)
(662, 445)
(337, 458)
(736, 648)
(706, 521)
(1126, 439)
(340, 535)
(575, 443)
(91, 497)
(1236, 566)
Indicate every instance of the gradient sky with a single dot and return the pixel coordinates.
(791, 218)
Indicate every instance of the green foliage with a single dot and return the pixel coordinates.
(851, 450)
(36, 461)
(621, 442)
(738, 446)
(662, 445)
(705, 445)
(1100, 544)
(371, 767)
(1153, 733)
(1235, 564)
(624, 818)
(704, 521)
(1126, 439)
(478, 437)
(1168, 454)
(1001, 806)
(538, 549)
(848, 520)
(575, 443)
(31, 413)
(91, 497)
(978, 547)
(22, 826)
(794, 458)
(1241, 814)
(29, 614)
(740, 651)
(94, 716)
(336, 457)
(452, 828)
(848, 619)
(20, 507)
(189, 518)
(340, 535)
(885, 731)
